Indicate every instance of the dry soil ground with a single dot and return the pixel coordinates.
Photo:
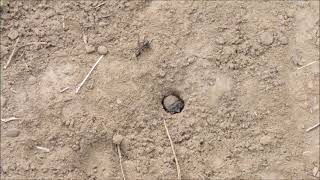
(234, 63)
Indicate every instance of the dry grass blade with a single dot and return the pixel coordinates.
(43, 149)
(313, 127)
(307, 65)
(12, 53)
(64, 89)
(100, 4)
(84, 80)
(173, 151)
(9, 119)
(120, 159)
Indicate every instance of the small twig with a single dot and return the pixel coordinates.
(173, 151)
(120, 159)
(63, 23)
(64, 89)
(43, 149)
(84, 80)
(12, 53)
(32, 43)
(313, 127)
(85, 39)
(307, 65)
(9, 119)
(100, 4)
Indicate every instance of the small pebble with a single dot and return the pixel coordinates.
(220, 41)
(12, 133)
(296, 58)
(265, 140)
(315, 172)
(90, 49)
(117, 139)
(102, 50)
(32, 80)
(266, 38)
(13, 34)
(50, 13)
(290, 13)
(173, 104)
(283, 40)
(162, 73)
(3, 101)
(4, 50)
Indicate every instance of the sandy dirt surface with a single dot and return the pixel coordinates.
(238, 67)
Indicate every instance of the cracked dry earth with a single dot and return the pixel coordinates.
(237, 65)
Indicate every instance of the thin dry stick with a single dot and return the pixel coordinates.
(63, 23)
(120, 159)
(85, 38)
(173, 151)
(307, 65)
(100, 4)
(43, 149)
(64, 89)
(313, 127)
(12, 53)
(9, 119)
(84, 80)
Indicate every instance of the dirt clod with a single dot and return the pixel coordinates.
(90, 49)
(296, 58)
(316, 172)
(12, 132)
(266, 38)
(13, 34)
(3, 101)
(265, 140)
(117, 139)
(283, 40)
(102, 50)
(173, 104)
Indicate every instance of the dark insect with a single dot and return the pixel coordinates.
(142, 46)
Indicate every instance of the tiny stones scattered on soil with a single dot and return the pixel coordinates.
(12, 132)
(90, 49)
(102, 50)
(266, 38)
(173, 104)
(117, 139)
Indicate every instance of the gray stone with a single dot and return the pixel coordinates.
(12, 132)
(283, 40)
(102, 50)
(173, 104)
(265, 140)
(3, 101)
(266, 38)
(296, 58)
(117, 139)
(90, 49)
(13, 34)
(220, 41)
(315, 172)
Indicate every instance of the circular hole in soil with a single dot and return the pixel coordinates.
(172, 104)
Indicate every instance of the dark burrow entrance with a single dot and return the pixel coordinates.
(172, 104)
